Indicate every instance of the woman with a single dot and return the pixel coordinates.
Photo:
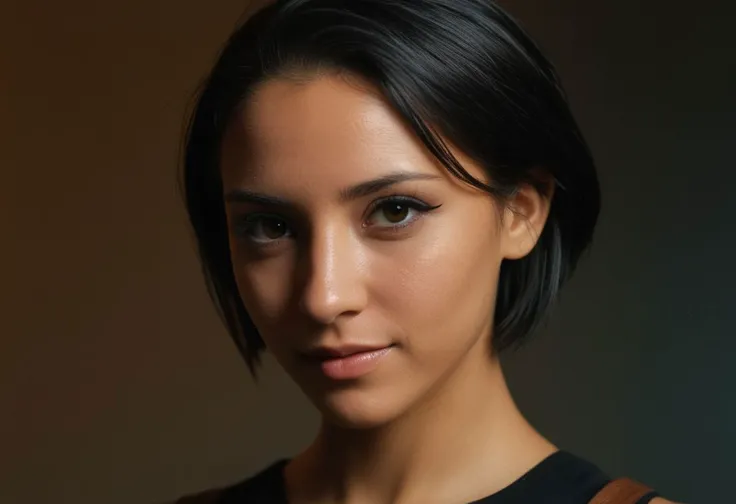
(387, 194)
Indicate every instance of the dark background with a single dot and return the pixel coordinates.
(119, 385)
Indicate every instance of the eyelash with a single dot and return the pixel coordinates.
(245, 225)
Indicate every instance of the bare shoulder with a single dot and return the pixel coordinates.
(660, 500)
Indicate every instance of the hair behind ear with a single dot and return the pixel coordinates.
(528, 287)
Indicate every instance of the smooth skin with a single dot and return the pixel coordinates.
(345, 230)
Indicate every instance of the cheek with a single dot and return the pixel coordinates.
(265, 290)
(441, 292)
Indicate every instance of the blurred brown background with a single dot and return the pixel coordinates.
(119, 385)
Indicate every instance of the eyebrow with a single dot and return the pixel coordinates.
(357, 191)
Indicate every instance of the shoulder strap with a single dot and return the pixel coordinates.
(621, 491)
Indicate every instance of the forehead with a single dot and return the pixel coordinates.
(327, 129)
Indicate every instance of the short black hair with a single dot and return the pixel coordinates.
(458, 72)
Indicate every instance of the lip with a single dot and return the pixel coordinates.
(348, 362)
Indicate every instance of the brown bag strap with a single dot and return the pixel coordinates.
(621, 491)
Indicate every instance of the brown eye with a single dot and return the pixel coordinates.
(395, 212)
(273, 229)
(263, 229)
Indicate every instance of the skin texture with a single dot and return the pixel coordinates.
(434, 421)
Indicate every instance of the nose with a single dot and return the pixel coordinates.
(334, 275)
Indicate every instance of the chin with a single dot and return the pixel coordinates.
(357, 409)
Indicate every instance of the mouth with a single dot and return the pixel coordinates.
(348, 362)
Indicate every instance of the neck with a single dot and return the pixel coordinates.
(477, 445)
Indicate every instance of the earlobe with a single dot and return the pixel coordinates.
(524, 217)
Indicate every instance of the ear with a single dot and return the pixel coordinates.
(524, 217)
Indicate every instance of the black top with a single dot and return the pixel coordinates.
(562, 478)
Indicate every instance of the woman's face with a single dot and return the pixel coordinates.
(369, 271)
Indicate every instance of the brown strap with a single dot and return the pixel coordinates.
(621, 491)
